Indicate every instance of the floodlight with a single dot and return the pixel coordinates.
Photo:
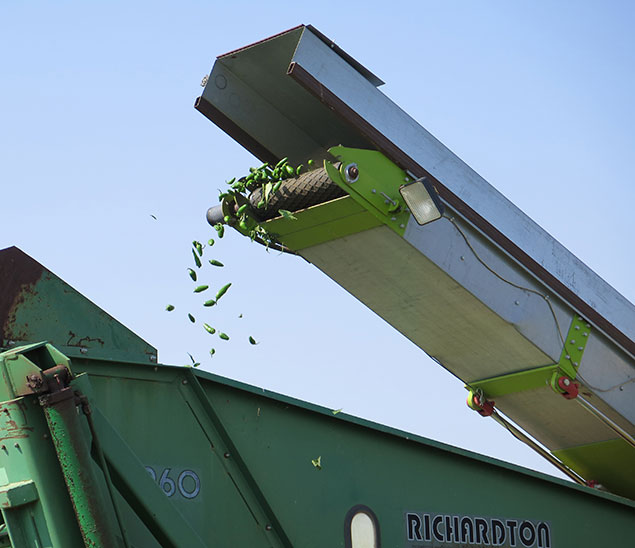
(422, 201)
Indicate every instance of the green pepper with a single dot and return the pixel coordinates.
(209, 328)
(298, 170)
(201, 288)
(242, 208)
(232, 181)
(169, 308)
(210, 242)
(223, 336)
(220, 229)
(261, 204)
(222, 291)
(290, 171)
(211, 302)
(276, 187)
(197, 260)
(212, 351)
(281, 162)
(199, 247)
(252, 340)
(214, 262)
(192, 318)
(310, 163)
(192, 274)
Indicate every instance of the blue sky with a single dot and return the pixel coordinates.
(97, 132)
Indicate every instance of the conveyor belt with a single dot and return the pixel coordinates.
(485, 291)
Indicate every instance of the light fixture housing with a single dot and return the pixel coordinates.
(422, 201)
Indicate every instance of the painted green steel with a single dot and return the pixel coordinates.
(73, 453)
(604, 462)
(377, 187)
(162, 519)
(514, 382)
(27, 457)
(373, 200)
(574, 345)
(321, 223)
(198, 460)
(252, 452)
(36, 305)
(537, 377)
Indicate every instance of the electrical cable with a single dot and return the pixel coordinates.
(502, 278)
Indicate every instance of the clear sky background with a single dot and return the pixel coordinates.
(98, 133)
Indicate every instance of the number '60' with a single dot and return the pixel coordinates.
(187, 489)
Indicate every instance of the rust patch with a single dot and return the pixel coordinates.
(84, 341)
(18, 275)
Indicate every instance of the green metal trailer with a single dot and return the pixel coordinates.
(101, 446)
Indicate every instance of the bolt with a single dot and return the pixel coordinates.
(393, 218)
(572, 341)
(402, 226)
(226, 455)
(585, 334)
(580, 348)
(268, 527)
(566, 382)
(577, 328)
(83, 350)
(153, 358)
(16, 445)
(184, 381)
(374, 191)
(462, 258)
(516, 303)
(406, 179)
(568, 357)
(588, 326)
(11, 343)
(575, 363)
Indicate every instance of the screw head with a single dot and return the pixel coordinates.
(226, 455)
(268, 527)
(566, 382)
(184, 381)
(83, 350)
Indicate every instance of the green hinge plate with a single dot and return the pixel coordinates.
(530, 379)
(373, 199)
(376, 187)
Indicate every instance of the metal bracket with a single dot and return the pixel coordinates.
(530, 379)
(373, 181)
